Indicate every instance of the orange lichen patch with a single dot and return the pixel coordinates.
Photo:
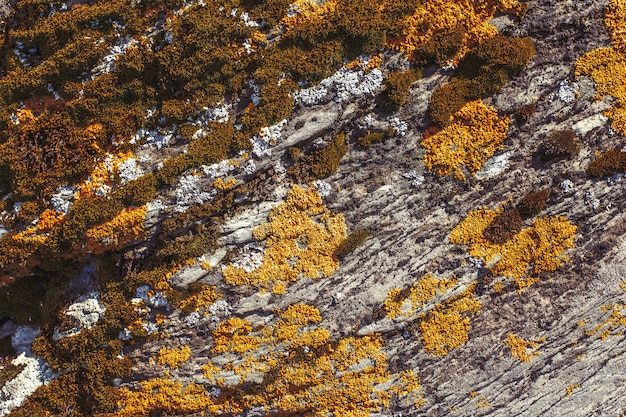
(569, 390)
(24, 115)
(478, 402)
(48, 221)
(200, 300)
(300, 237)
(520, 347)
(123, 229)
(309, 11)
(103, 175)
(475, 133)
(533, 250)
(615, 21)
(373, 63)
(398, 303)
(447, 326)
(310, 374)
(607, 65)
(233, 335)
(452, 25)
(166, 396)
(173, 357)
(220, 184)
(610, 325)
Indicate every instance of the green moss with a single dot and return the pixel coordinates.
(397, 87)
(325, 162)
(351, 242)
(482, 72)
(371, 138)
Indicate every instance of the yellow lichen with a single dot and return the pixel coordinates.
(607, 65)
(425, 290)
(201, 299)
(519, 347)
(300, 238)
(447, 326)
(166, 396)
(458, 24)
(173, 357)
(123, 229)
(533, 250)
(611, 324)
(569, 390)
(220, 184)
(308, 372)
(48, 221)
(475, 133)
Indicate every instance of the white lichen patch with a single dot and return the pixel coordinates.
(154, 299)
(342, 86)
(416, 179)
(128, 170)
(323, 188)
(567, 92)
(85, 313)
(62, 200)
(494, 166)
(35, 373)
(400, 127)
(268, 137)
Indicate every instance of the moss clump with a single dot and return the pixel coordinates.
(371, 138)
(397, 87)
(532, 203)
(560, 144)
(524, 113)
(484, 70)
(608, 163)
(325, 162)
(504, 226)
(351, 242)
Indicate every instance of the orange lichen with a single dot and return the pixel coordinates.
(103, 175)
(309, 11)
(397, 304)
(173, 357)
(48, 221)
(233, 335)
(200, 300)
(300, 238)
(569, 390)
(607, 65)
(610, 325)
(475, 133)
(308, 373)
(447, 326)
(451, 26)
(533, 250)
(167, 396)
(123, 229)
(519, 347)
(220, 184)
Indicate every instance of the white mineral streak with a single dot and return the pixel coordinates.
(35, 373)
(399, 127)
(86, 312)
(342, 86)
(416, 179)
(590, 123)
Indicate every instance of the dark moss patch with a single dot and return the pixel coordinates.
(351, 242)
(560, 144)
(608, 163)
(371, 138)
(532, 203)
(504, 226)
(397, 87)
